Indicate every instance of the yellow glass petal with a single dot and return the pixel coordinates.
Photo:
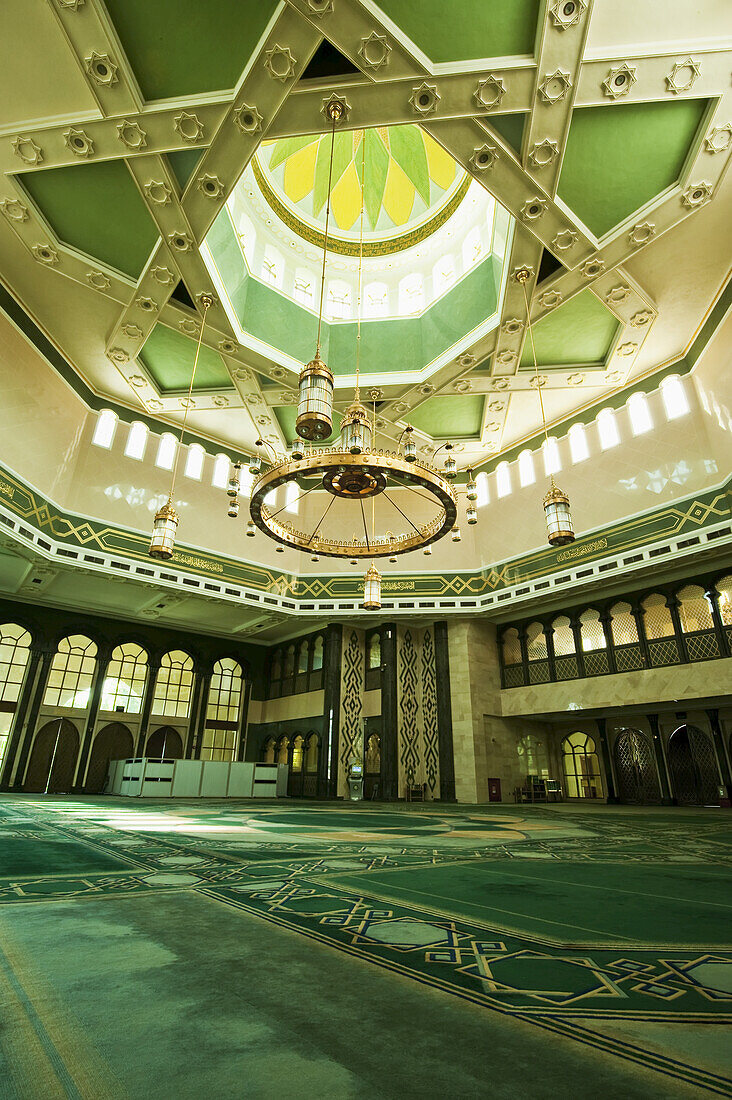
(398, 195)
(441, 165)
(300, 173)
(346, 199)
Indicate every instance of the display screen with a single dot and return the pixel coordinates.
(356, 769)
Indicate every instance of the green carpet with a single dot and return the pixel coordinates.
(292, 950)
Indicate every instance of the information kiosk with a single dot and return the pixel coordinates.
(355, 781)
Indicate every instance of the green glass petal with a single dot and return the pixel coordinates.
(342, 156)
(407, 149)
(376, 170)
(287, 146)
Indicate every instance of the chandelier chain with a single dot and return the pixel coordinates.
(325, 241)
(206, 302)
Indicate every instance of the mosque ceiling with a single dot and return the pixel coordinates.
(152, 153)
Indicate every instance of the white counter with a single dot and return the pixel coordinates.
(142, 777)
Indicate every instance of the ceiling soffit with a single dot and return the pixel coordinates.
(595, 155)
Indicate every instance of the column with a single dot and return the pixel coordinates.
(606, 620)
(244, 718)
(328, 756)
(206, 675)
(601, 724)
(26, 694)
(673, 605)
(713, 597)
(551, 656)
(640, 626)
(718, 738)
(666, 797)
(35, 705)
(190, 744)
(444, 714)
(524, 653)
(579, 652)
(104, 655)
(389, 777)
(153, 667)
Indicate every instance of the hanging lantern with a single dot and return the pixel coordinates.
(163, 534)
(471, 487)
(372, 589)
(298, 451)
(234, 483)
(255, 466)
(315, 404)
(356, 429)
(251, 529)
(410, 447)
(455, 534)
(471, 514)
(233, 511)
(450, 468)
(558, 517)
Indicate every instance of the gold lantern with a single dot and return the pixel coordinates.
(455, 534)
(356, 431)
(233, 511)
(234, 483)
(471, 487)
(558, 517)
(409, 447)
(162, 542)
(471, 514)
(372, 589)
(165, 524)
(251, 529)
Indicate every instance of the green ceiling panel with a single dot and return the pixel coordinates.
(286, 416)
(97, 209)
(183, 162)
(471, 29)
(618, 158)
(455, 417)
(184, 47)
(169, 356)
(580, 331)
(511, 129)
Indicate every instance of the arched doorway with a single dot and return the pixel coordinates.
(693, 767)
(581, 767)
(113, 742)
(635, 768)
(297, 764)
(55, 750)
(268, 751)
(165, 743)
(372, 771)
(312, 756)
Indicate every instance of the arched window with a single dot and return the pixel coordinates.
(376, 300)
(411, 295)
(511, 647)
(302, 657)
(276, 666)
(174, 685)
(166, 451)
(311, 753)
(373, 754)
(581, 766)
(623, 625)
(105, 428)
(14, 652)
(578, 443)
(124, 685)
(591, 632)
(268, 751)
(374, 651)
(339, 300)
(318, 653)
(534, 756)
(247, 236)
(298, 751)
(194, 461)
(536, 642)
(222, 711)
(472, 248)
(503, 479)
(724, 588)
(527, 475)
(443, 275)
(272, 266)
(607, 427)
(657, 617)
(302, 290)
(694, 609)
(563, 637)
(220, 475)
(481, 484)
(675, 401)
(639, 414)
(136, 440)
(289, 669)
(283, 747)
(72, 671)
(552, 460)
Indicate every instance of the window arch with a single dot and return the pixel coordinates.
(222, 711)
(124, 685)
(657, 617)
(443, 275)
(303, 288)
(623, 625)
(220, 474)
(298, 752)
(724, 588)
(534, 755)
(136, 440)
(607, 428)
(318, 653)
(536, 642)
(374, 652)
(276, 665)
(14, 653)
(174, 684)
(272, 266)
(591, 632)
(526, 472)
(268, 751)
(472, 248)
(675, 401)
(303, 654)
(581, 766)
(503, 479)
(563, 636)
(481, 483)
(194, 461)
(283, 748)
(376, 300)
(166, 451)
(411, 295)
(552, 459)
(289, 669)
(312, 746)
(639, 414)
(694, 609)
(578, 448)
(72, 671)
(105, 428)
(511, 647)
(339, 300)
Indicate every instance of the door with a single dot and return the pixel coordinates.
(494, 790)
(164, 743)
(693, 767)
(635, 768)
(113, 742)
(53, 758)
